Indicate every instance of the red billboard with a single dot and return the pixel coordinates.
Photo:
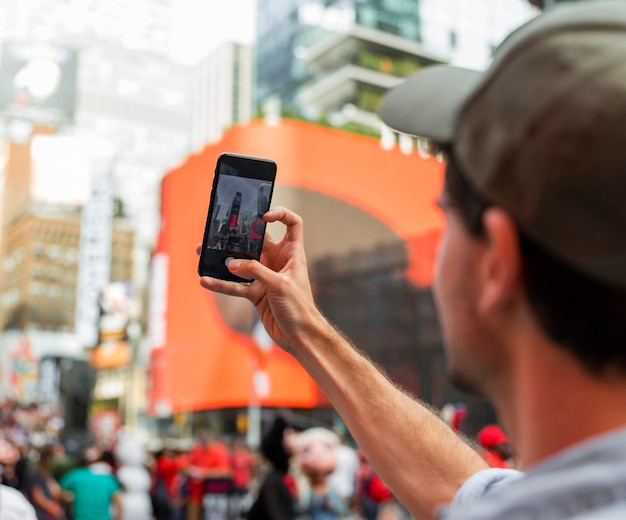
(208, 350)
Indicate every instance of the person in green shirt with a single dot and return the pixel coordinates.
(95, 492)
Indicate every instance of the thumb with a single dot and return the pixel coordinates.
(252, 269)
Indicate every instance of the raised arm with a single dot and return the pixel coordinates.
(419, 457)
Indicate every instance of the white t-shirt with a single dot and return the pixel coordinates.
(14, 506)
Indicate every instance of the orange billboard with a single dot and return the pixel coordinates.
(209, 351)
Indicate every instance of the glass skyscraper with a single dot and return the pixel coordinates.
(287, 28)
(290, 32)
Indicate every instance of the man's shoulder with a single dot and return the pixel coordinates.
(615, 511)
(586, 479)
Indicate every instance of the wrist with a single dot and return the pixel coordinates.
(309, 333)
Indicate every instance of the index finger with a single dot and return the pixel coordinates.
(291, 220)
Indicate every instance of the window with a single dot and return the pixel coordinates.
(453, 40)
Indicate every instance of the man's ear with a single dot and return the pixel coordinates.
(500, 268)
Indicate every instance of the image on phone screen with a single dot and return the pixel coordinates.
(237, 223)
(235, 228)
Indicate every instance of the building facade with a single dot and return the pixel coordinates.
(333, 60)
(40, 266)
(294, 38)
(222, 94)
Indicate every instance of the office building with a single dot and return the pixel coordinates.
(332, 61)
(335, 58)
(40, 266)
(222, 93)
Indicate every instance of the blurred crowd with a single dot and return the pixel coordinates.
(299, 473)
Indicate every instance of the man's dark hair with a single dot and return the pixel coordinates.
(584, 316)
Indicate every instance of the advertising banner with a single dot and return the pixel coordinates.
(38, 81)
(95, 244)
(209, 350)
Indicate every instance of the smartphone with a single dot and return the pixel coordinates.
(241, 194)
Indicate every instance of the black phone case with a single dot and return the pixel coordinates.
(219, 246)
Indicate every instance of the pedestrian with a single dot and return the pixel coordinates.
(530, 284)
(276, 497)
(94, 492)
(42, 489)
(497, 450)
(208, 459)
(243, 466)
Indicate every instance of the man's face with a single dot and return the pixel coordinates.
(469, 350)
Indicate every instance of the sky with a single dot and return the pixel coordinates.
(201, 26)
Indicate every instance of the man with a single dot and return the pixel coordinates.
(93, 490)
(207, 459)
(530, 282)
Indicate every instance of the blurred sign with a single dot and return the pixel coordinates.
(30, 363)
(95, 245)
(105, 425)
(38, 81)
(116, 312)
(157, 307)
(49, 380)
(19, 367)
(110, 354)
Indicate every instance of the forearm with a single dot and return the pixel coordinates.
(51, 507)
(422, 460)
(117, 506)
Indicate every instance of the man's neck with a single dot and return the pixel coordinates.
(550, 402)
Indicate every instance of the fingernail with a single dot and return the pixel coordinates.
(233, 264)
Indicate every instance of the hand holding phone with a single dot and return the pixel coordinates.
(240, 196)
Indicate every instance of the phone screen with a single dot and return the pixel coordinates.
(241, 194)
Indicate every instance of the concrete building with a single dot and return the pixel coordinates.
(40, 266)
(222, 93)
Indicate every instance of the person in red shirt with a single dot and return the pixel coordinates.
(242, 463)
(497, 450)
(168, 465)
(207, 459)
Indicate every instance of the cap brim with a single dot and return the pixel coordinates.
(428, 102)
